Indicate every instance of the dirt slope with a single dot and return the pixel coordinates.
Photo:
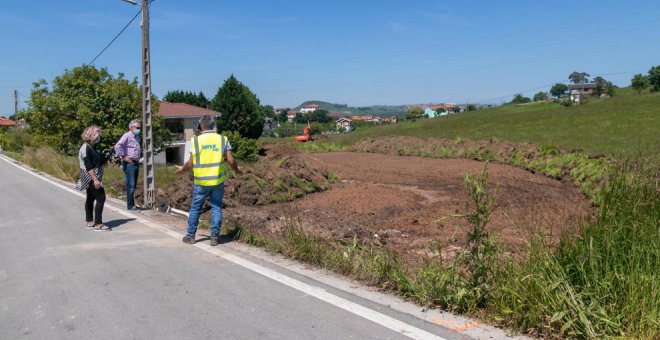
(407, 202)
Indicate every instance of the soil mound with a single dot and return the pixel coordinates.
(406, 203)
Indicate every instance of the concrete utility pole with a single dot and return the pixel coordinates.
(147, 137)
(15, 104)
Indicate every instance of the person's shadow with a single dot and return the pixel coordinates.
(117, 223)
(223, 238)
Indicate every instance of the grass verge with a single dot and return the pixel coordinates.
(605, 283)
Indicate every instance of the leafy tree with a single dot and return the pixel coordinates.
(191, 98)
(282, 117)
(85, 96)
(414, 113)
(299, 118)
(640, 82)
(654, 78)
(579, 77)
(320, 116)
(240, 109)
(558, 89)
(604, 87)
(285, 130)
(471, 107)
(268, 111)
(540, 96)
(520, 99)
(601, 86)
(610, 89)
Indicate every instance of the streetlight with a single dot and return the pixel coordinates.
(147, 136)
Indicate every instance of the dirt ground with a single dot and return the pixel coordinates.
(406, 202)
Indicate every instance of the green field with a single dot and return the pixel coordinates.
(623, 124)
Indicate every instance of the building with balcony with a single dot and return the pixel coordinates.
(181, 120)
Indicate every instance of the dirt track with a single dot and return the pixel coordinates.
(407, 202)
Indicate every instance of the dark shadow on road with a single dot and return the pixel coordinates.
(116, 223)
(223, 238)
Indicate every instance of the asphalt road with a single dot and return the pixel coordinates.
(61, 281)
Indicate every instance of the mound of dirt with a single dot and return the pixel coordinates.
(401, 202)
(406, 203)
(267, 181)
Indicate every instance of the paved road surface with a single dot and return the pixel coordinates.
(61, 281)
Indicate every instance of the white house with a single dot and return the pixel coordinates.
(181, 119)
(344, 123)
(310, 108)
(579, 91)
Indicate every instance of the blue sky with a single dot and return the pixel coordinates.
(355, 52)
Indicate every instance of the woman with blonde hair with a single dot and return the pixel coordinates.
(91, 175)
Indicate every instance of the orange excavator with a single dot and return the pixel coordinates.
(306, 135)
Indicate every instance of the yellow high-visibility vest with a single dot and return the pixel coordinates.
(208, 158)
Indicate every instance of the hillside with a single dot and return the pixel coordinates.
(623, 124)
(377, 110)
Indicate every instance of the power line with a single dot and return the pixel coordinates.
(115, 38)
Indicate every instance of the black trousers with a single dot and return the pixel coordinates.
(93, 213)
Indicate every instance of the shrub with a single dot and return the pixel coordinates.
(245, 149)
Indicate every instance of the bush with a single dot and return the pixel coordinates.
(245, 149)
(15, 139)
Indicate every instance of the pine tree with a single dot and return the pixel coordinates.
(240, 109)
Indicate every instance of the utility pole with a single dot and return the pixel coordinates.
(147, 137)
(15, 104)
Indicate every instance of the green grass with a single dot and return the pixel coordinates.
(620, 125)
(605, 282)
(67, 168)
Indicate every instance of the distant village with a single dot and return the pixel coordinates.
(344, 120)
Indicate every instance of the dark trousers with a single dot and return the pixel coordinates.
(93, 213)
(131, 171)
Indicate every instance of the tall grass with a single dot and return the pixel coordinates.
(67, 168)
(604, 283)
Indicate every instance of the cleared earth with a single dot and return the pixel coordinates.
(405, 203)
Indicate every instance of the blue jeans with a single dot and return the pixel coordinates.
(198, 198)
(131, 171)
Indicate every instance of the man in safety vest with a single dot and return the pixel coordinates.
(208, 153)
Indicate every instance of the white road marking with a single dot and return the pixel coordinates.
(317, 292)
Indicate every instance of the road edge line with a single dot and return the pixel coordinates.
(317, 292)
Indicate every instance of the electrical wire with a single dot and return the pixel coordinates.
(115, 38)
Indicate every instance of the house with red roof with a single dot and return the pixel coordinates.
(181, 120)
(6, 122)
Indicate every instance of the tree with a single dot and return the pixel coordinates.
(520, 99)
(320, 116)
(299, 118)
(240, 109)
(654, 78)
(471, 107)
(540, 96)
(268, 111)
(601, 86)
(87, 96)
(191, 98)
(282, 117)
(610, 89)
(558, 90)
(640, 82)
(579, 77)
(414, 113)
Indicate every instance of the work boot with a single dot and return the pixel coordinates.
(190, 239)
(215, 239)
